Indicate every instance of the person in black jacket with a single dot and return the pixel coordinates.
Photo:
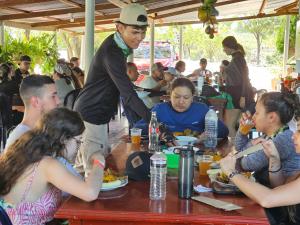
(107, 80)
(23, 70)
(237, 74)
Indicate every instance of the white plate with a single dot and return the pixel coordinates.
(171, 149)
(124, 182)
(185, 140)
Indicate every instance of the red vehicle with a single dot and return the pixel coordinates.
(163, 52)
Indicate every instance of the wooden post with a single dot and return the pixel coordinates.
(89, 33)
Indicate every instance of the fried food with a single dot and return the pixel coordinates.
(109, 176)
(222, 177)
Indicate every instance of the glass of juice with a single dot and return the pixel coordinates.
(246, 127)
(136, 136)
(204, 164)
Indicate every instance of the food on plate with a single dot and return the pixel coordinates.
(109, 176)
(186, 132)
(222, 177)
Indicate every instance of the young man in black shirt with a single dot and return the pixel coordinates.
(107, 80)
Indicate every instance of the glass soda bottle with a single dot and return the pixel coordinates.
(153, 134)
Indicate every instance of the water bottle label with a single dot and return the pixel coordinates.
(161, 164)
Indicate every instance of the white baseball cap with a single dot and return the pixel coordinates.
(133, 14)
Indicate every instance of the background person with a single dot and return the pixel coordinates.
(75, 62)
(107, 80)
(180, 68)
(155, 82)
(79, 74)
(63, 81)
(132, 71)
(32, 179)
(202, 71)
(237, 74)
(23, 70)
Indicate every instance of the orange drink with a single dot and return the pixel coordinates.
(246, 127)
(136, 139)
(136, 136)
(217, 157)
(204, 164)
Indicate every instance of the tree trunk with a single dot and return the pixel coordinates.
(258, 41)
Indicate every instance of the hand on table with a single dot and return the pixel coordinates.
(228, 164)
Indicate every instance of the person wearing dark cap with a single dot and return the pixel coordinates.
(155, 82)
(237, 74)
(23, 70)
(107, 80)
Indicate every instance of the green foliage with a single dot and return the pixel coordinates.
(280, 33)
(41, 48)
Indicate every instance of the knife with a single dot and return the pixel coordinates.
(249, 150)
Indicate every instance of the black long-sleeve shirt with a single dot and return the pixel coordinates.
(106, 81)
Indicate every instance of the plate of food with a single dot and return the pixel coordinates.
(112, 180)
(222, 185)
(170, 150)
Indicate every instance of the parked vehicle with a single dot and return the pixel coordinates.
(163, 52)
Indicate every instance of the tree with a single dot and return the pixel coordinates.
(73, 44)
(41, 48)
(260, 28)
(292, 38)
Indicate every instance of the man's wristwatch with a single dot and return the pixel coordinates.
(232, 174)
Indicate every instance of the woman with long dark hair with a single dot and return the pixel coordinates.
(31, 177)
(237, 74)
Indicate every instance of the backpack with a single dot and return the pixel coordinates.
(70, 98)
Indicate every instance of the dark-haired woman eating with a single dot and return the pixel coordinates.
(182, 113)
(31, 177)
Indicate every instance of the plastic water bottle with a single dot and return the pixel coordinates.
(153, 134)
(158, 173)
(211, 128)
(200, 83)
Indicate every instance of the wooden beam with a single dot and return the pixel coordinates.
(71, 3)
(157, 10)
(53, 12)
(82, 24)
(287, 7)
(99, 31)
(113, 16)
(195, 9)
(78, 20)
(174, 6)
(29, 13)
(7, 3)
(230, 19)
(118, 3)
(262, 7)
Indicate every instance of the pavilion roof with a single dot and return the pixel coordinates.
(69, 14)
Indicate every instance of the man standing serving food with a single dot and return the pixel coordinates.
(107, 80)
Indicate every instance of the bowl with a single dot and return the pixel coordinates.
(185, 140)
